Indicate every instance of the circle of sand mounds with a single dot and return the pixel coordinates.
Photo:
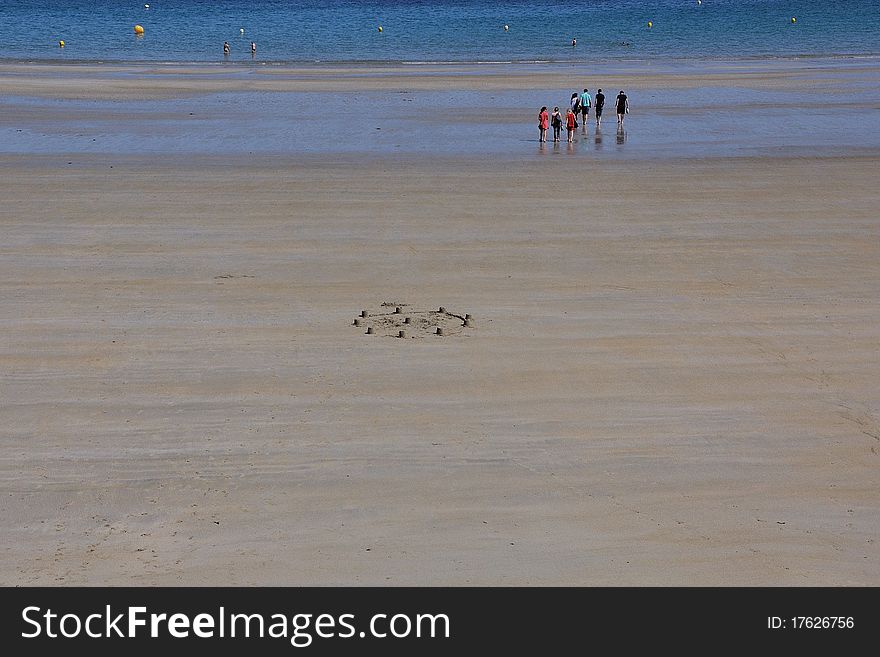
(401, 320)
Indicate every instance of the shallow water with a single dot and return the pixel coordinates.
(832, 112)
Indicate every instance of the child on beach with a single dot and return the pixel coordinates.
(543, 121)
(570, 124)
(556, 122)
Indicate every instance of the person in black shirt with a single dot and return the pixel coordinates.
(600, 105)
(622, 106)
(556, 122)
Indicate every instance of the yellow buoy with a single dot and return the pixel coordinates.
(60, 44)
(793, 19)
(380, 28)
(650, 23)
(138, 29)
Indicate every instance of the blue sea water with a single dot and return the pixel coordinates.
(434, 30)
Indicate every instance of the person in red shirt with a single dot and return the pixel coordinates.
(543, 124)
(570, 124)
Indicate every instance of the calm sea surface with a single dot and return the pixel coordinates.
(434, 30)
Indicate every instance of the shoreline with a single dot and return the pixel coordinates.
(303, 76)
(666, 65)
(296, 63)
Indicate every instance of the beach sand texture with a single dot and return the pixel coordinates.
(672, 377)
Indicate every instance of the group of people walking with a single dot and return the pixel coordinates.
(580, 105)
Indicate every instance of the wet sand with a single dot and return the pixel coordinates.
(671, 378)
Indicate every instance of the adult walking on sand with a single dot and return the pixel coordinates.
(600, 106)
(622, 106)
(543, 123)
(586, 104)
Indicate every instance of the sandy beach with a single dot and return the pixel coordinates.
(671, 377)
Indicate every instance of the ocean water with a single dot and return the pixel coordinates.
(416, 31)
